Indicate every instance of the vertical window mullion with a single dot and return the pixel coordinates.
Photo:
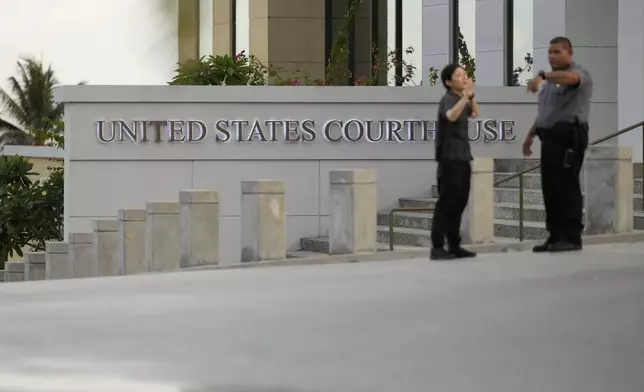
(233, 28)
(508, 42)
(399, 42)
(453, 31)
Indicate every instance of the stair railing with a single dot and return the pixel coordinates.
(521, 186)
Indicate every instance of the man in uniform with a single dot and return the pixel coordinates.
(454, 170)
(562, 127)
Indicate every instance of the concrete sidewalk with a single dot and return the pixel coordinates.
(502, 323)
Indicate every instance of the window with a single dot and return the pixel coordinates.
(467, 28)
(463, 34)
(242, 26)
(520, 29)
(405, 37)
(205, 27)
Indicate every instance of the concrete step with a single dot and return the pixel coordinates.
(315, 245)
(502, 228)
(533, 181)
(503, 197)
(408, 220)
(405, 236)
(510, 211)
(530, 181)
(637, 203)
(510, 229)
(413, 237)
(502, 211)
(412, 229)
(535, 197)
(515, 165)
(417, 203)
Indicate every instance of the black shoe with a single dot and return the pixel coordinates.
(440, 254)
(460, 253)
(545, 247)
(563, 246)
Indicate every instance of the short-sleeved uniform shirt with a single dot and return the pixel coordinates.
(452, 141)
(567, 104)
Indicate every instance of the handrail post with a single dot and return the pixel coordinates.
(391, 230)
(521, 208)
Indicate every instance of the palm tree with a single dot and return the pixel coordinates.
(30, 107)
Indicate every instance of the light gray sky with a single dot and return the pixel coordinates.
(135, 41)
(101, 42)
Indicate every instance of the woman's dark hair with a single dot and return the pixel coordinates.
(447, 72)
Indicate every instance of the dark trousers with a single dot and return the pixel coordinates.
(562, 155)
(453, 179)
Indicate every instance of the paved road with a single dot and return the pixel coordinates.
(504, 323)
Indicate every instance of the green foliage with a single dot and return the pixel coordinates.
(465, 59)
(213, 70)
(516, 73)
(31, 213)
(337, 69)
(29, 104)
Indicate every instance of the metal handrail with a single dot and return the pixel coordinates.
(508, 178)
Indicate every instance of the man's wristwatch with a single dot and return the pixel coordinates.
(542, 75)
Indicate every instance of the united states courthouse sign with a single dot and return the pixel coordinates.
(291, 131)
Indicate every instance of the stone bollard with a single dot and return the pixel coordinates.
(35, 263)
(81, 254)
(58, 264)
(477, 225)
(132, 242)
(263, 221)
(199, 227)
(14, 271)
(162, 236)
(608, 177)
(106, 247)
(353, 210)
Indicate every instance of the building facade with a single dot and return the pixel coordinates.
(500, 35)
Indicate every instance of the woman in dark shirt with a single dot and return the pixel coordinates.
(453, 155)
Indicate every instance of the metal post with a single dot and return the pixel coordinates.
(391, 229)
(521, 208)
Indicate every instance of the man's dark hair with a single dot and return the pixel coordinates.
(564, 41)
(447, 72)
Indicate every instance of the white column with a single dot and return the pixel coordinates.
(592, 27)
(106, 247)
(478, 219)
(199, 227)
(353, 210)
(490, 34)
(631, 74)
(81, 254)
(132, 225)
(608, 174)
(162, 236)
(14, 271)
(263, 221)
(35, 266)
(58, 264)
(436, 36)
